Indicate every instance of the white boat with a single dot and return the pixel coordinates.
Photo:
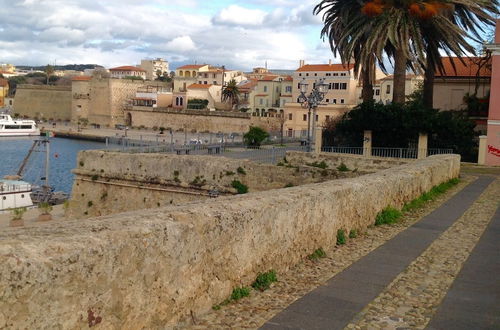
(11, 127)
(14, 194)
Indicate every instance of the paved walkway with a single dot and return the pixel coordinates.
(335, 304)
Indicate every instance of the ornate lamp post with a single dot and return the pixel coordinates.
(311, 102)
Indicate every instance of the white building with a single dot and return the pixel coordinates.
(153, 67)
(127, 71)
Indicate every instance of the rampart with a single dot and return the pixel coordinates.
(40, 101)
(112, 182)
(199, 120)
(147, 269)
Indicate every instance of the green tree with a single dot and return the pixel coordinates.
(14, 81)
(49, 71)
(231, 93)
(255, 136)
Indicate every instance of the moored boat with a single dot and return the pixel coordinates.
(15, 194)
(12, 127)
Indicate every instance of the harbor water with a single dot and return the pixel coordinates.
(63, 153)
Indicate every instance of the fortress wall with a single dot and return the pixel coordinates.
(147, 269)
(43, 101)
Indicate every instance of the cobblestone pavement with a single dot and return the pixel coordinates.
(413, 297)
(253, 311)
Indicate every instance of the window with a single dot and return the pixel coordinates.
(315, 74)
(288, 89)
(327, 100)
(298, 86)
(277, 89)
(388, 90)
(377, 92)
(304, 117)
(336, 85)
(330, 86)
(261, 101)
(214, 75)
(343, 74)
(334, 101)
(290, 116)
(307, 74)
(265, 89)
(327, 117)
(215, 82)
(300, 74)
(205, 82)
(343, 86)
(342, 101)
(199, 82)
(328, 74)
(290, 132)
(206, 75)
(335, 74)
(317, 117)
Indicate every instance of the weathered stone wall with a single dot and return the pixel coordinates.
(147, 269)
(199, 120)
(113, 182)
(353, 162)
(43, 101)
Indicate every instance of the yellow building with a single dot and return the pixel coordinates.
(383, 88)
(4, 91)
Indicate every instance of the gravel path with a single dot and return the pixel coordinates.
(255, 310)
(413, 297)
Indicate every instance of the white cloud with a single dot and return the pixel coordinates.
(181, 44)
(237, 15)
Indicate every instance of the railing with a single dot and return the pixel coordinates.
(405, 153)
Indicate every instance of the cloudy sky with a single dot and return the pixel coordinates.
(238, 34)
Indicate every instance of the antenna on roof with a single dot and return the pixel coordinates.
(266, 65)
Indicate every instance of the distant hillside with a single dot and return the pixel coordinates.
(77, 67)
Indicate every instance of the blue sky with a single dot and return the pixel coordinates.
(238, 34)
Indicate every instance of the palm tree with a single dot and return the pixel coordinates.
(412, 33)
(230, 92)
(49, 70)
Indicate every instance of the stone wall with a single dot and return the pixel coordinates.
(147, 269)
(353, 162)
(112, 182)
(43, 101)
(199, 120)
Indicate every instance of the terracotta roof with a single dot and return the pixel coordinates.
(199, 86)
(81, 78)
(408, 76)
(4, 82)
(127, 68)
(190, 66)
(325, 67)
(288, 78)
(268, 78)
(468, 70)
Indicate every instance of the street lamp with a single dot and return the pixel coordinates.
(311, 102)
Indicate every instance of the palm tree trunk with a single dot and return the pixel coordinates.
(398, 94)
(428, 97)
(367, 73)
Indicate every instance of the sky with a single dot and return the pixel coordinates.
(238, 34)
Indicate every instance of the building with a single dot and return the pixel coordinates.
(341, 95)
(383, 89)
(4, 91)
(187, 75)
(459, 79)
(127, 71)
(7, 68)
(154, 67)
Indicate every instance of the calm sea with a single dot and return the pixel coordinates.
(63, 154)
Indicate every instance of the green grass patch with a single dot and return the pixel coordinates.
(343, 168)
(241, 171)
(353, 233)
(239, 293)
(240, 187)
(317, 254)
(341, 238)
(264, 280)
(321, 165)
(387, 216)
(430, 195)
(289, 185)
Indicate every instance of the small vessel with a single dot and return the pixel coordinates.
(11, 127)
(14, 194)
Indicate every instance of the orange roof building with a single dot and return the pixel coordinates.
(470, 67)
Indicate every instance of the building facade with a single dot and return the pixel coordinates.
(153, 67)
(4, 91)
(127, 71)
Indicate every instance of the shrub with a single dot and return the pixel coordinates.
(264, 280)
(241, 170)
(289, 185)
(17, 213)
(240, 187)
(255, 136)
(229, 173)
(90, 203)
(317, 254)
(321, 165)
(94, 177)
(342, 168)
(341, 239)
(389, 215)
(430, 195)
(45, 208)
(239, 293)
(353, 233)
